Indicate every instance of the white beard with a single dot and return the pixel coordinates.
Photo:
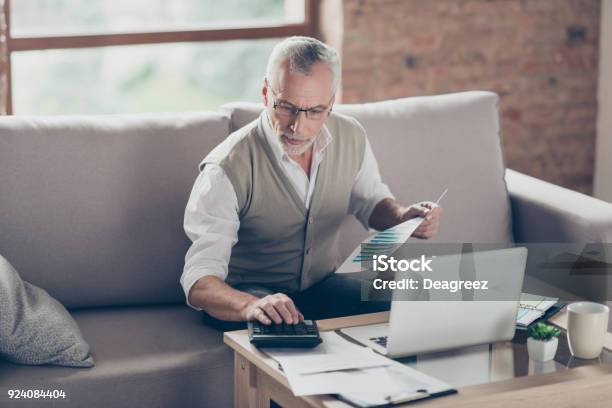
(298, 150)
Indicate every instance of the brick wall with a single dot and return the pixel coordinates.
(541, 56)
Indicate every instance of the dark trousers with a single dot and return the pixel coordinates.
(335, 296)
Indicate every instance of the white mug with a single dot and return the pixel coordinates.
(587, 326)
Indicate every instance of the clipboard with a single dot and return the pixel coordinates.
(412, 386)
(392, 400)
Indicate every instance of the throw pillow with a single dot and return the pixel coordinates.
(34, 327)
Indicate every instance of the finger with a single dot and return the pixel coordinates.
(425, 226)
(281, 308)
(430, 232)
(417, 233)
(422, 235)
(434, 214)
(292, 309)
(260, 315)
(421, 212)
(429, 223)
(427, 232)
(425, 223)
(429, 229)
(272, 313)
(301, 316)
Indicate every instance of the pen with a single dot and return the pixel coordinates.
(441, 196)
(412, 396)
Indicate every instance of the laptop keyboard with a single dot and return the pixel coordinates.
(381, 341)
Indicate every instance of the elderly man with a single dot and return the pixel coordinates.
(265, 211)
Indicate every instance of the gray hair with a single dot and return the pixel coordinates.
(301, 53)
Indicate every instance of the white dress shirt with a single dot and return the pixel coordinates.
(211, 216)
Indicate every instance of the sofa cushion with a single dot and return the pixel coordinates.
(34, 327)
(157, 356)
(424, 145)
(92, 207)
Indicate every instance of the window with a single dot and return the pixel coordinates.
(110, 56)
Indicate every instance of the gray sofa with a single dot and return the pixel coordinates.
(91, 210)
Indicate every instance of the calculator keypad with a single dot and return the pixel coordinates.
(302, 334)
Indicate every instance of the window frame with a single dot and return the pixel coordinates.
(35, 43)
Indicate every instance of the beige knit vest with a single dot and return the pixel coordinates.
(282, 244)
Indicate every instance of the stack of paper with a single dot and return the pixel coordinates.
(338, 366)
(332, 367)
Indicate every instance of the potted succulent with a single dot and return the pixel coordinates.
(542, 342)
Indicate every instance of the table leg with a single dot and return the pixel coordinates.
(245, 382)
(269, 389)
(253, 388)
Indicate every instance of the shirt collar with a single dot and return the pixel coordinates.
(321, 142)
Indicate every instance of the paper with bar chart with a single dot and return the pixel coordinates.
(382, 243)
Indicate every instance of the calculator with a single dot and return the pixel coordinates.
(304, 334)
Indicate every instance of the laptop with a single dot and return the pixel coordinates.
(451, 320)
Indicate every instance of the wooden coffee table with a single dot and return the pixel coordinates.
(258, 380)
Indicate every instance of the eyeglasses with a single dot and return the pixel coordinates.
(289, 110)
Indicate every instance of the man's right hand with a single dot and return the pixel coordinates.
(277, 308)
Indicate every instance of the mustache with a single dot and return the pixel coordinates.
(295, 137)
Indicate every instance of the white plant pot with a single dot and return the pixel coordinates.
(542, 350)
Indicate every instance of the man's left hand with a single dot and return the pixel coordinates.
(428, 210)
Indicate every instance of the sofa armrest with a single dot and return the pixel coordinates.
(545, 212)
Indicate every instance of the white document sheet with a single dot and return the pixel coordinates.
(338, 366)
(338, 382)
(334, 353)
